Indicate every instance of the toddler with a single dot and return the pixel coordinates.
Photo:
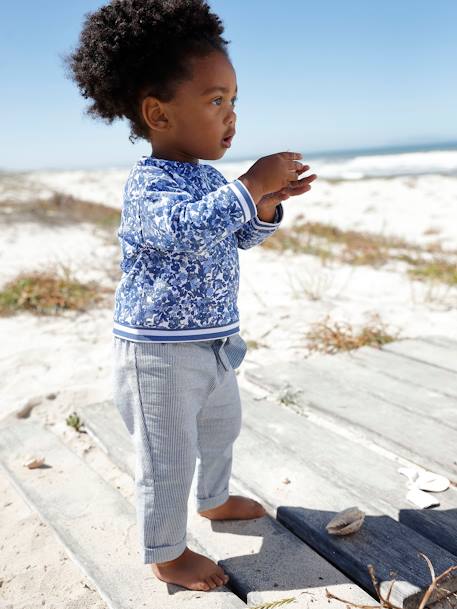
(163, 65)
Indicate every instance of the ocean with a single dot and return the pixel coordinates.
(358, 164)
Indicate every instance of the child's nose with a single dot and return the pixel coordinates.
(232, 117)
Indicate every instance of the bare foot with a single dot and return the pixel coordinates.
(236, 508)
(191, 570)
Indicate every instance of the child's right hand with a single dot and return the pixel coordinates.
(272, 173)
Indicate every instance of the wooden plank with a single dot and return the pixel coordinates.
(444, 341)
(379, 537)
(411, 398)
(260, 465)
(314, 387)
(326, 464)
(96, 525)
(265, 561)
(439, 525)
(410, 371)
(426, 352)
(372, 476)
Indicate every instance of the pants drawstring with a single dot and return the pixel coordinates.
(218, 348)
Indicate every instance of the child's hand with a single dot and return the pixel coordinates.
(297, 187)
(271, 172)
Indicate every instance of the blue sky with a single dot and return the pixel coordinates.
(311, 76)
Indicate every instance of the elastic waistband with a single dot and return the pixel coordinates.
(142, 334)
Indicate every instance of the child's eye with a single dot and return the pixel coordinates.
(234, 100)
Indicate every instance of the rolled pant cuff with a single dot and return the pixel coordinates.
(212, 502)
(163, 553)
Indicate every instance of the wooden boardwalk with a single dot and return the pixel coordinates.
(331, 434)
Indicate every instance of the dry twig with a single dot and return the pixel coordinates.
(385, 602)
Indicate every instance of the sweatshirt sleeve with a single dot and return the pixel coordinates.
(255, 231)
(172, 220)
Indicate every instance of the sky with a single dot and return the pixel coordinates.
(312, 76)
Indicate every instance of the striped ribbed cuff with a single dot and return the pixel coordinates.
(245, 199)
(270, 226)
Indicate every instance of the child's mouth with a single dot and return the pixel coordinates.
(227, 141)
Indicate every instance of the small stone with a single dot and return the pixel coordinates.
(286, 481)
(34, 462)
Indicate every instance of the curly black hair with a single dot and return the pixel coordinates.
(129, 49)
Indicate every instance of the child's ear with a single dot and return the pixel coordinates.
(153, 114)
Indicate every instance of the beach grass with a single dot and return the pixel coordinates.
(49, 293)
(436, 270)
(61, 210)
(333, 337)
(328, 242)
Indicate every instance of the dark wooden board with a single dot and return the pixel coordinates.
(382, 542)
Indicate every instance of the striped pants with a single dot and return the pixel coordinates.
(181, 405)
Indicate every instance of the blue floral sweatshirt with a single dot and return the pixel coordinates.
(181, 226)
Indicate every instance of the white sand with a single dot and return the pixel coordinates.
(280, 296)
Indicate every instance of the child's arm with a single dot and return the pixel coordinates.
(171, 220)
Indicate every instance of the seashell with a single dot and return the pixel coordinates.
(425, 480)
(346, 522)
(421, 499)
(34, 462)
(432, 482)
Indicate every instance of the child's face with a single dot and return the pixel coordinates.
(193, 125)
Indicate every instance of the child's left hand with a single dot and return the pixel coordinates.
(297, 187)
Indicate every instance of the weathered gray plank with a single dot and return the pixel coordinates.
(426, 351)
(96, 525)
(261, 465)
(372, 477)
(335, 472)
(413, 399)
(444, 341)
(410, 371)
(316, 388)
(265, 561)
(379, 537)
